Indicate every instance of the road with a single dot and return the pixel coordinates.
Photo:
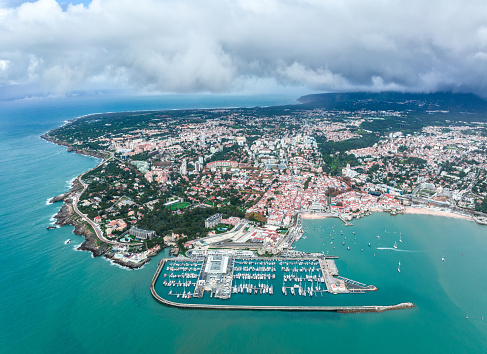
(95, 227)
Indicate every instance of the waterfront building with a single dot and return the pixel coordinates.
(142, 234)
(216, 264)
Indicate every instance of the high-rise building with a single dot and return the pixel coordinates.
(202, 139)
(183, 170)
(197, 167)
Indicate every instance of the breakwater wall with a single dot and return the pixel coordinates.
(340, 309)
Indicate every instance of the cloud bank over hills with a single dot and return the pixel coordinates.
(245, 45)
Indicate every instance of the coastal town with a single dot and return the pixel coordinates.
(244, 178)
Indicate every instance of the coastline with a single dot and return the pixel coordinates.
(70, 147)
(425, 211)
(129, 265)
(407, 210)
(67, 215)
(96, 243)
(310, 216)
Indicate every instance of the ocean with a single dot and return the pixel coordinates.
(57, 299)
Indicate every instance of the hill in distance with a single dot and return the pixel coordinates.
(465, 104)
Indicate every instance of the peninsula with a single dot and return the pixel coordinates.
(242, 179)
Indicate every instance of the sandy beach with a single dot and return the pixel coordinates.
(313, 216)
(425, 211)
(407, 210)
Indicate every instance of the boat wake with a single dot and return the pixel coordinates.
(396, 249)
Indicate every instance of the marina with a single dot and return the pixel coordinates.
(252, 289)
(219, 276)
(297, 277)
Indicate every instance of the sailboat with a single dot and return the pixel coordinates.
(395, 244)
(400, 238)
(399, 267)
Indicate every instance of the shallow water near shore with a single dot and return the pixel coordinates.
(55, 299)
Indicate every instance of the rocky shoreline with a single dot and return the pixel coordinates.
(71, 148)
(66, 216)
(130, 265)
(76, 187)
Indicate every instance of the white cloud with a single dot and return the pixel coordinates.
(4, 64)
(227, 45)
(297, 73)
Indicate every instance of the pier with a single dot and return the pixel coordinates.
(346, 219)
(340, 309)
(225, 273)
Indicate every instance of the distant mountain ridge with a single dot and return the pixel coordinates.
(384, 101)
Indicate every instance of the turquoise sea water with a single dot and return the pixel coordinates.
(56, 299)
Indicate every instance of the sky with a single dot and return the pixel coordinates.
(242, 46)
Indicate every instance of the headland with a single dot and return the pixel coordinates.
(242, 179)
